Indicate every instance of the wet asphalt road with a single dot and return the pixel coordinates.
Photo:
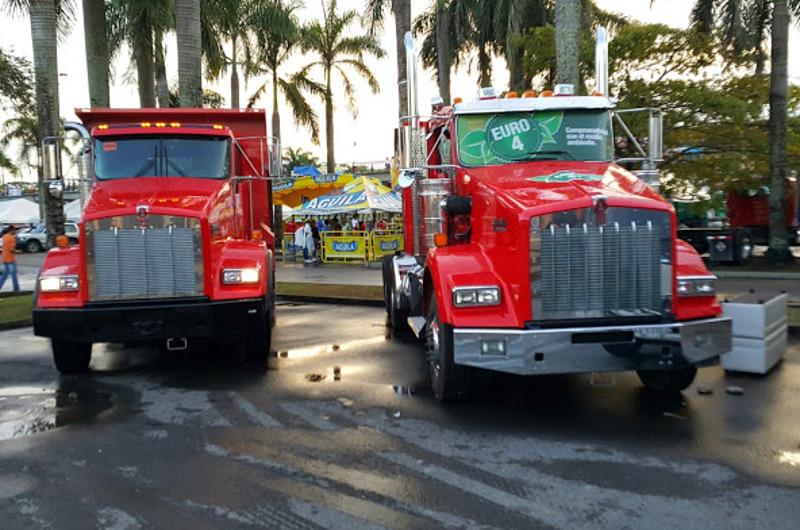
(342, 432)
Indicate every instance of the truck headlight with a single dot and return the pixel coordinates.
(476, 296)
(52, 284)
(238, 276)
(697, 286)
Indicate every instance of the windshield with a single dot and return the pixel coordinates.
(505, 137)
(167, 156)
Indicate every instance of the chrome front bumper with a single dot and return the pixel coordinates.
(594, 349)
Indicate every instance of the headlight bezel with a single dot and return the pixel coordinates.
(477, 296)
(59, 283)
(696, 286)
(241, 276)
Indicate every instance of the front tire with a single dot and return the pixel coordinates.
(449, 381)
(667, 381)
(33, 246)
(71, 357)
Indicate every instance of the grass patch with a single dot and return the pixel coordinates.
(15, 309)
(756, 264)
(794, 315)
(330, 290)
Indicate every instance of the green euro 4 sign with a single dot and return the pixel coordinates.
(512, 137)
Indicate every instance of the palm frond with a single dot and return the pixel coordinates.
(302, 112)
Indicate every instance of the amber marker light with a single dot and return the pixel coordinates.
(62, 241)
(103, 126)
(440, 239)
(218, 127)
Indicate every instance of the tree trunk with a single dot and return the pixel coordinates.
(514, 51)
(443, 55)
(329, 122)
(568, 16)
(162, 87)
(276, 117)
(234, 76)
(778, 95)
(484, 68)
(45, 67)
(97, 62)
(145, 71)
(402, 24)
(187, 28)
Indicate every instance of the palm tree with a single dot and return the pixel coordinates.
(401, 9)
(337, 53)
(45, 16)
(276, 35)
(743, 25)
(297, 157)
(142, 24)
(187, 28)
(97, 56)
(226, 21)
(778, 99)
(568, 20)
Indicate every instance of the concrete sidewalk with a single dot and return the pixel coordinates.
(341, 274)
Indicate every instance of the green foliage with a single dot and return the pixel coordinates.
(298, 157)
(713, 105)
(16, 80)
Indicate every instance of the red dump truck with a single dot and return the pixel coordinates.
(531, 250)
(175, 242)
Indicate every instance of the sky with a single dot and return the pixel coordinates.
(366, 138)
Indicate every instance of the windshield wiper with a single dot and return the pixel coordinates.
(548, 155)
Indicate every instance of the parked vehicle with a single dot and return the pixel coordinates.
(175, 242)
(35, 239)
(530, 250)
(730, 238)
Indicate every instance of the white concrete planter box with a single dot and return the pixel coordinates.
(759, 332)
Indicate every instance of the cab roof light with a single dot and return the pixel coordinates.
(487, 92)
(546, 94)
(512, 95)
(103, 126)
(597, 93)
(161, 124)
(218, 127)
(145, 124)
(529, 94)
(456, 101)
(175, 124)
(564, 89)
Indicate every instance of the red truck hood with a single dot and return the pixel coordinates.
(535, 185)
(115, 197)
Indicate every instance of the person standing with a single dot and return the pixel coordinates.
(9, 254)
(308, 243)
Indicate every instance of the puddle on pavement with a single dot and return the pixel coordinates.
(791, 458)
(313, 351)
(27, 410)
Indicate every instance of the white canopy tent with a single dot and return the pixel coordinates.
(19, 211)
(72, 210)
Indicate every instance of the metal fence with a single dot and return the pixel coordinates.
(349, 247)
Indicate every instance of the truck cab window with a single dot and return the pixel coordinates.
(508, 137)
(168, 156)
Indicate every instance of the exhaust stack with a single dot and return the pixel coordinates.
(411, 79)
(601, 61)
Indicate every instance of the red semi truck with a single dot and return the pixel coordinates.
(530, 250)
(175, 238)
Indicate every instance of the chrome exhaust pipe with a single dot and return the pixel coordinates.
(601, 61)
(85, 165)
(411, 80)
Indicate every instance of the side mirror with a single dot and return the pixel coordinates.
(655, 144)
(407, 178)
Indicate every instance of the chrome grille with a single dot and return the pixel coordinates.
(162, 259)
(583, 269)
